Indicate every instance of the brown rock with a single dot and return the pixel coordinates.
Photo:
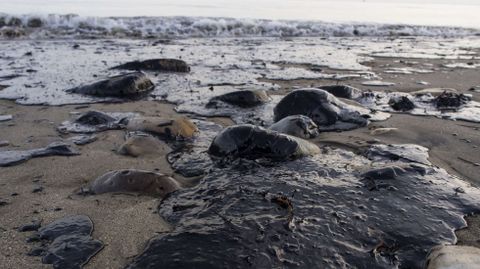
(180, 127)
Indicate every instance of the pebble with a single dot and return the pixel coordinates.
(460, 190)
(423, 83)
(37, 189)
(475, 89)
(5, 118)
(3, 202)
(34, 226)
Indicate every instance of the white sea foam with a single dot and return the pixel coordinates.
(55, 26)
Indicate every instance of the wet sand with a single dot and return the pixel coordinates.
(126, 222)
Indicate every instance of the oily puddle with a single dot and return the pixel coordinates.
(439, 102)
(384, 209)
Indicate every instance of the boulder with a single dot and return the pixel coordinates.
(254, 142)
(172, 128)
(322, 107)
(139, 145)
(243, 98)
(127, 85)
(343, 91)
(34, 22)
(401, 103)
(136, 181)
(161, 65)
(296, 125)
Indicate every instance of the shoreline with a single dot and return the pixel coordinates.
(125, 223)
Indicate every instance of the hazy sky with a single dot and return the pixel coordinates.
(430, 12)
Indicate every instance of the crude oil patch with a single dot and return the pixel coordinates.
(66, 243)
(336, 209)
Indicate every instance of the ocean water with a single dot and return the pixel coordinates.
(462, 13)
(207, 18)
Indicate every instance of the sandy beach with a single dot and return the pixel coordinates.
(126, 222)
(186, 142)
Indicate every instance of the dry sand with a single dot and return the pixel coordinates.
(126, 222)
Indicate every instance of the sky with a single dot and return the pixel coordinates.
(429, 12)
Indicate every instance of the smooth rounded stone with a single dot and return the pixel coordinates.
(180, 127)
(255, 142)
(162, 65)
(343, 91)
(450, 100)
(4, 143)
(453, 257)
(143, 145)
(322, 107)
(14, 21)
(242, 98)
(4, 202)
(297, 125)
(34, 22)
(401, 103)
(475, 89)
(137, 181)
(70, 225)
(71, 251)
(127, 85)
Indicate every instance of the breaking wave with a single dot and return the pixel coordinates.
(65, 26)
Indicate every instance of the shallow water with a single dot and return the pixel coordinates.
(41, 71)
